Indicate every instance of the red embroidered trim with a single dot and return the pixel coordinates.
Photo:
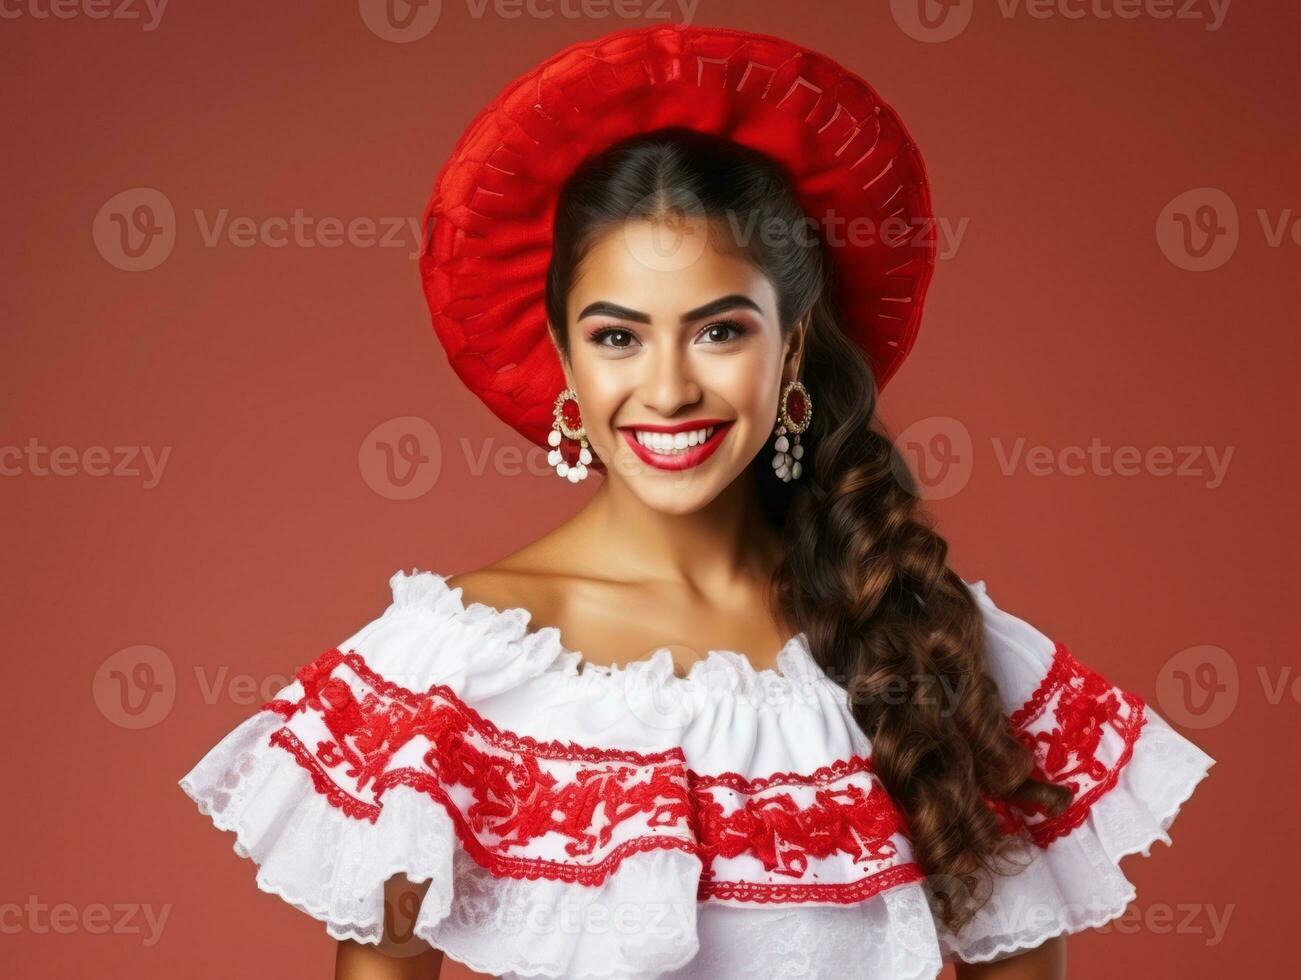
(507, 798)
(846, 815)
(837, 769)
(315, 678)
(499, 864)
(743, 891)
(1066, 742)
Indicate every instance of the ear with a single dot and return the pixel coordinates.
(795, 348)
(560, 356)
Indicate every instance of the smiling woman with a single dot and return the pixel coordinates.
(871, 767)
(675, 364)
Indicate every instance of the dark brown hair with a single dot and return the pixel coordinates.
(864, 573)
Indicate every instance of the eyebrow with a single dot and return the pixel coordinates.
(732, 302)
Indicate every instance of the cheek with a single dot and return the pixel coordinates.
(602, 392)
(746, 385)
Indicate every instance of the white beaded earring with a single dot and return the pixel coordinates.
(794, 412)
(568, 424)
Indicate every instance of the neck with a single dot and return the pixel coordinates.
(726, 539)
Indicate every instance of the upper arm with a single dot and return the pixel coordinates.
(401, 955)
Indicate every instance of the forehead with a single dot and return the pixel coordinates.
(665, 268)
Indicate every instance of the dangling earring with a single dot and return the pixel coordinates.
(794, 412)
(568, 424)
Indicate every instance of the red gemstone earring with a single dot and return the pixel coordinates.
(794, 412)
(568, 425)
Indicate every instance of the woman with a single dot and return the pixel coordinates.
(797, 743)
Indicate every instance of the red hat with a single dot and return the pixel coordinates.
(487, 228)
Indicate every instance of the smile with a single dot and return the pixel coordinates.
(676, 447)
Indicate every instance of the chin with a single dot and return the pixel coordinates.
(675, 495)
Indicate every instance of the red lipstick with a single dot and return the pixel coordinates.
(682, 459)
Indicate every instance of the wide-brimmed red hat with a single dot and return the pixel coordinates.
(487, 228)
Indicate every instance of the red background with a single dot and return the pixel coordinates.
(1059, 319)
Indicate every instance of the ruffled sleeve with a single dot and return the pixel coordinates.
(381, 758)
(1130, 771)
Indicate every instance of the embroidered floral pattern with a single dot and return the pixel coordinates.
(530, 809)
(518, 804)
(1082, 731)
(792, 823)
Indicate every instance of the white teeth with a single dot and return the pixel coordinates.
(668, 443)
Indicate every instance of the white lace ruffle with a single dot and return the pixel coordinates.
(1076, 882)
(643, 923)
(890, 937)
(642, 919)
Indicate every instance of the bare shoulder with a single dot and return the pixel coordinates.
(525, 579)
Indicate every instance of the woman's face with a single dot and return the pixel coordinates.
(676, 356)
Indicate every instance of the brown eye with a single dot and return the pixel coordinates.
(722, 331)
(623, 339)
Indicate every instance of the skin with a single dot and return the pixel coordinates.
(656, 558)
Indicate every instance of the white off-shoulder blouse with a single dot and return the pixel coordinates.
(574, 820)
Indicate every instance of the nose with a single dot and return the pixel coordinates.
(670, 383)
